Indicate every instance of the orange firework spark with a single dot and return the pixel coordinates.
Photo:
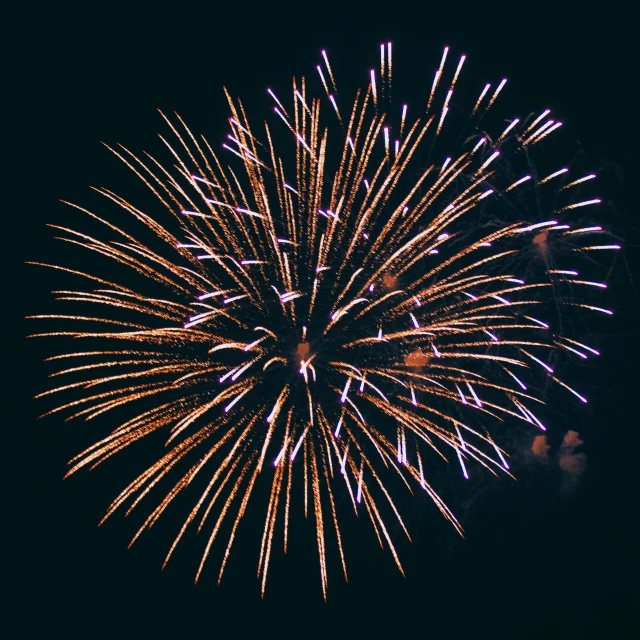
(332, 316)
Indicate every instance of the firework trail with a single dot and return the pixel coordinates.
(339, 317)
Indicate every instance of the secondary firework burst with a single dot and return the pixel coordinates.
(341, 307)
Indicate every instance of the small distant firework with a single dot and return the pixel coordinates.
(341, 317)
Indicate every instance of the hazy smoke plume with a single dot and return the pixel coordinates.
(570, 461)
(540, 448)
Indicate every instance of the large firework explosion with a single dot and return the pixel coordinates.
(343, 317)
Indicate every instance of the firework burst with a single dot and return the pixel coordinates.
(340, 313)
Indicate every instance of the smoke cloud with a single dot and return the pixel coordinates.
(570, 461)
(417, 359)
(573, 463)
(572, 439)
(540, 447)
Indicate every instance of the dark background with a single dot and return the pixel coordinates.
(542, 558)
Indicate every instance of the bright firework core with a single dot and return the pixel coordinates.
(343, 302)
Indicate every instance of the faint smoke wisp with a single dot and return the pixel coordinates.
(540, 447)
(570, 461)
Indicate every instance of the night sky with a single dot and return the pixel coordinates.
(543, 556)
